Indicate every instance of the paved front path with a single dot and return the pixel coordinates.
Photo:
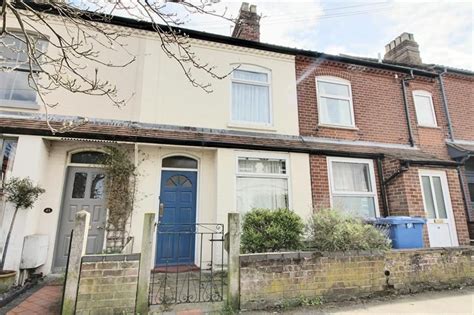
(45, 301)
(445, 302)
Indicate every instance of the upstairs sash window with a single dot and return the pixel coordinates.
(15, 84)
(334, 102)
(425, 113)
(251, 97)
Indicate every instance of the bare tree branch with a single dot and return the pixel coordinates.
(76, 50)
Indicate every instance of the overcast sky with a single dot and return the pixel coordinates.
(443, 29)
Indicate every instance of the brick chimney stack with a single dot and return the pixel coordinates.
(403, 49)
(248, 23)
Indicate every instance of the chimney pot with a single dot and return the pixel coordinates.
(247, 25)
(403, 49)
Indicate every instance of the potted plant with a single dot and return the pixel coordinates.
(22, 193)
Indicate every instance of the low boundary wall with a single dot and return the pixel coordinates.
(108, 284)
(271, 279)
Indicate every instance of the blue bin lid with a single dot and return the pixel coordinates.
(400, 220)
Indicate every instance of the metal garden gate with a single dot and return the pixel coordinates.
(191, 265)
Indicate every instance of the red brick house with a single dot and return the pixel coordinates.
(460, 99)
(397, 108)
(289, 129)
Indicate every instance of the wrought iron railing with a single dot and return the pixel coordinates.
(190, 267)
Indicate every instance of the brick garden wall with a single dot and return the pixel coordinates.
(108, 284)
(271, 279)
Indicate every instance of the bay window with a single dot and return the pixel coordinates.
(352, 186)
(251, 97)
(261, 183)
(16, 89)
(334, 102)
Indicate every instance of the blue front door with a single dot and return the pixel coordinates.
(176, 227)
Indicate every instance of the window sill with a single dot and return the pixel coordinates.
(338, 127)
(19, 104)
(251, 127)
(428, 127)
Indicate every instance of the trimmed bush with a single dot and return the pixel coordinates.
(330, 230)
(265, 230)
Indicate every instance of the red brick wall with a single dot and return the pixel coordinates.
(405, 198)
(396, 192)
(320, 183)
(431, 140)
(404, 192)
(459, 209)
(378, 106)
(460, 95)
(380, 117)
(372, 92)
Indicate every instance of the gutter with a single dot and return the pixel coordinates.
(407, 112)
(147, 26)
(433, 163)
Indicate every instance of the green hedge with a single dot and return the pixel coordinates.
(265, 230)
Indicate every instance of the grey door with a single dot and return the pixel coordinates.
(84, 190)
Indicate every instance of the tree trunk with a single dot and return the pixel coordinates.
(4, 254)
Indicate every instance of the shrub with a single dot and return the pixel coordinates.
(22, 193)
(330, 230)
(265, 230)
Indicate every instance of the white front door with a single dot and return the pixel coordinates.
(439, 213)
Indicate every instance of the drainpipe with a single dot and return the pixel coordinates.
(462, 182)
(405, 165)
(445, 103)
(383, 191)
(405, 103)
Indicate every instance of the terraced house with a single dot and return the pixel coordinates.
(287, 128)
(389, 120)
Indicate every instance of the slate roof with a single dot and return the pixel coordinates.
(460, 150)
(118, 130)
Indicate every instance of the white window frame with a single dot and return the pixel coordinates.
(373, 183)
(2, 153)
(268, 84)
(250, 155)
(335, 80)
(25, 104)
(423, 93)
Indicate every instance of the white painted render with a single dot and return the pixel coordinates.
(157, 90)
(215, 192)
